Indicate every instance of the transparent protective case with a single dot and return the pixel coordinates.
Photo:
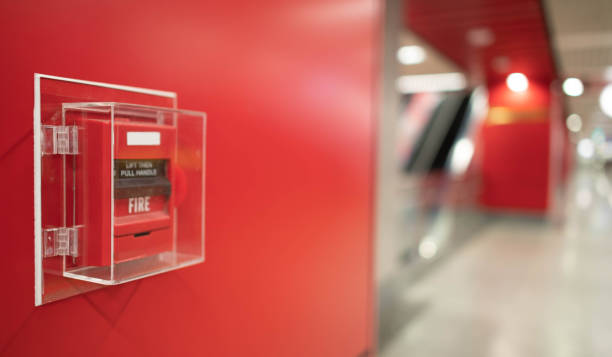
(121, 194)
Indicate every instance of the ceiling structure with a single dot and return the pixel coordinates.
(486, 38)
(545, 39)
(434, 61)
(581, 34)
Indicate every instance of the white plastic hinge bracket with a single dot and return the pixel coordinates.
(60, 140)
(61, 241)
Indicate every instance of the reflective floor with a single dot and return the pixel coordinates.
(518, 287)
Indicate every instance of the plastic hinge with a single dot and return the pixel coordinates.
(61, 241)
(60, 140)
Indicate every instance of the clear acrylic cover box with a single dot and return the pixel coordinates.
(121, 193)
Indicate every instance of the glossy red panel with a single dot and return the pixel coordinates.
(289, 92)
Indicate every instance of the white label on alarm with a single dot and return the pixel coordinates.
(143, 138)
(139, 204)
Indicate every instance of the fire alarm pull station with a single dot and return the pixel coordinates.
(119, 187)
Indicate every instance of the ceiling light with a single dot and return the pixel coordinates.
(574, 123)
(480, 37)
(501, 64)
(438, 82)
(573, 87)
(605, 100)
(517, 82)
(409, 55)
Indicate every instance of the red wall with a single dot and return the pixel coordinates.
(290, 96)
(516, 156)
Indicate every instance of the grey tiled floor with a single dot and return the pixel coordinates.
(520, 287)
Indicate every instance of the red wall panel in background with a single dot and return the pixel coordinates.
(516, 149)
(289, 92)
(516, 160)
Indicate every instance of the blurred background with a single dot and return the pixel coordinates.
(494, 191)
